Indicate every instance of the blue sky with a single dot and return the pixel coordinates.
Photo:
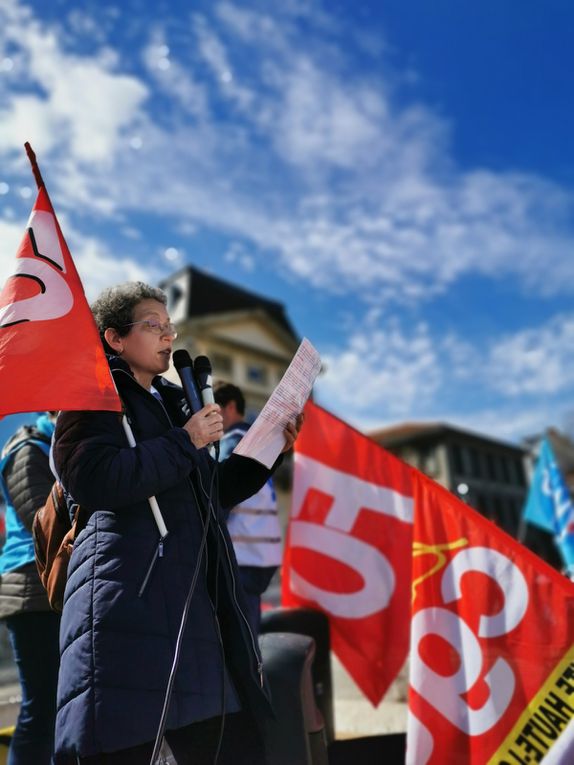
(399, 174)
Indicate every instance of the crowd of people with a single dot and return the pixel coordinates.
(122, 639)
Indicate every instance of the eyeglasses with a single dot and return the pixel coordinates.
(156, 327)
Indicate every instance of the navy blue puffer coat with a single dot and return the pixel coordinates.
(125, 595)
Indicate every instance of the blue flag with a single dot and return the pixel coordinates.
(549, 505)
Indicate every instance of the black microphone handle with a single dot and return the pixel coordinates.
(183, 365)
(190, 389)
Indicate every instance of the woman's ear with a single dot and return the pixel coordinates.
(114, 340)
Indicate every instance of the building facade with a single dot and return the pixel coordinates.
(248, 338)
(490, 475)
(487, 474)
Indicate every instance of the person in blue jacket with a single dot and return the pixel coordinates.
(126, 588)
(25, 481)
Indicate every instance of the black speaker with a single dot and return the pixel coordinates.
(305, 621)
(389, 749)
(297, 734)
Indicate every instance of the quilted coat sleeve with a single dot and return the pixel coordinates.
(240, 478)
(100, 470)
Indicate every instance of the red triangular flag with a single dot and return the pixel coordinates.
(348, 546)
(51, 356)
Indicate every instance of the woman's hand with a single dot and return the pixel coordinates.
(205, 426)
(292, 431)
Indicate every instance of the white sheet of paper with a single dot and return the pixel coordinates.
(264, 440)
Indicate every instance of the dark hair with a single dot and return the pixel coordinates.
(224, 392)
(114, 308)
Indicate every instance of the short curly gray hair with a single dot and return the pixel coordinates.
(115, 307)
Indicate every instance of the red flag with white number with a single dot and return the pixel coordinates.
(51, 356)
(348, 546)
(492, 643)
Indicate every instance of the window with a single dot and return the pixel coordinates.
(475, 462)
(488, 505)
(480, 503)
(222, 364)
(491, 466)
(257, 373)
(457, 459)
(428, 461)
(498, 508)
(514, 512)
(505, 469)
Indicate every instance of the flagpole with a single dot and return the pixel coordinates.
(162, 528)
(35, 169)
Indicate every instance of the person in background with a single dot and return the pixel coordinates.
(127, 587)
(254, 523)
(26, 480)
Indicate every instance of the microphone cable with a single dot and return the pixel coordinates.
(216, 605)
(177, 653)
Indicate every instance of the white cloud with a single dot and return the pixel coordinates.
(240, 125)
(175, 81)
(534, 361)
(347, 190)
(11, 234)
(507, 422)
(211, 48)
(214, 53)
(236, 253)
(86, 110)
(97, 266)
(254, 27)
(83, 24)
(320, 120)
(380, 376)
(418, 238)
(357, 192)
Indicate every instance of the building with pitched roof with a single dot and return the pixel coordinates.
(248, 338)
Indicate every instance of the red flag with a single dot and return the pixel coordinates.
(348, 546)
(492, 643)
(51, 356)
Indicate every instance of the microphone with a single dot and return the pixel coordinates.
(184, 366)
(202, 369)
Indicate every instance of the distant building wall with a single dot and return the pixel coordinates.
(487, 474)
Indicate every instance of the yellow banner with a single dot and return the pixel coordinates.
(543, 720)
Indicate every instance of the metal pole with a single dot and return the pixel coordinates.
(162, 528)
